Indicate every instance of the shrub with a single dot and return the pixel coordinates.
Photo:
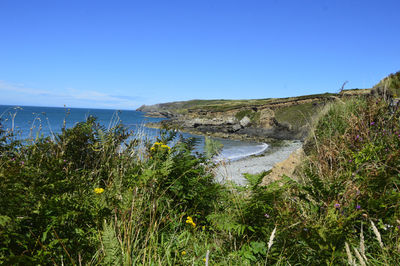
(58, 196)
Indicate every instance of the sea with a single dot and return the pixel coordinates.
(30, 122)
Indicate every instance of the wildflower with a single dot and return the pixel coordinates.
(350, 161)
(165, 147)
(155, 145)
(183, 253)
(358, 207)
(98, 190)
(158, 145)
(372, 123)
(204, 260)
(189, 220)
(22, 163)
(266, 215)
(337, 205)
(387, 226)
(203, 227)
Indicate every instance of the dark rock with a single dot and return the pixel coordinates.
(236, 128)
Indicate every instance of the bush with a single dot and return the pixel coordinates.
(352, 173)
(57, 196)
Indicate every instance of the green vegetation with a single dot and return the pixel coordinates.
(226, 105)
(81, 199)
(296, 115)
(251, 114)
(212, 147)
(392, 82)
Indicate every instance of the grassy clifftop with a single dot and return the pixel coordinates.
(226, 105)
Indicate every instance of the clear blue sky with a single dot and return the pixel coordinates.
(121, 54)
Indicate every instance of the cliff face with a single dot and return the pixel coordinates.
(280, 118)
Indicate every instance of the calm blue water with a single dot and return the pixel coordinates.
(29, 122)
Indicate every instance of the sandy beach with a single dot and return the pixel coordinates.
(234, 170)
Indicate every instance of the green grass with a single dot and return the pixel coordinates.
(392, 82)
(252, 115)
(296, 115)
(226, 105)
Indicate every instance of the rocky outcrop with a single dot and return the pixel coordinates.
(267, 120)
(265, 128)
(160, 114)
(260, 120)
(245, 122)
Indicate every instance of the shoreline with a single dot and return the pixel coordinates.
(234, 170)
(226, 170)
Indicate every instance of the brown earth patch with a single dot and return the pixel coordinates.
(286, 167)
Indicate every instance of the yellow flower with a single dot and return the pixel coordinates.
(189, 220)
(204, 260)
(160, 145)
(165, 147)
(183, 253)
(98, 190)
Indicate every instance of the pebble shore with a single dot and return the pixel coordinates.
(234, 170)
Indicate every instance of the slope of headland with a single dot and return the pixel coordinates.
(258, 120)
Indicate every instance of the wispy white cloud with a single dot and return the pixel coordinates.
(20, 94)
(5, 86)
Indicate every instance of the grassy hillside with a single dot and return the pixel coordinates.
(226, 105)
(296, 115)
(392, 83)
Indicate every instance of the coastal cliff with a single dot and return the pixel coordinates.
(259, 120)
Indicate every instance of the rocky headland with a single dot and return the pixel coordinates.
(262, 120)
